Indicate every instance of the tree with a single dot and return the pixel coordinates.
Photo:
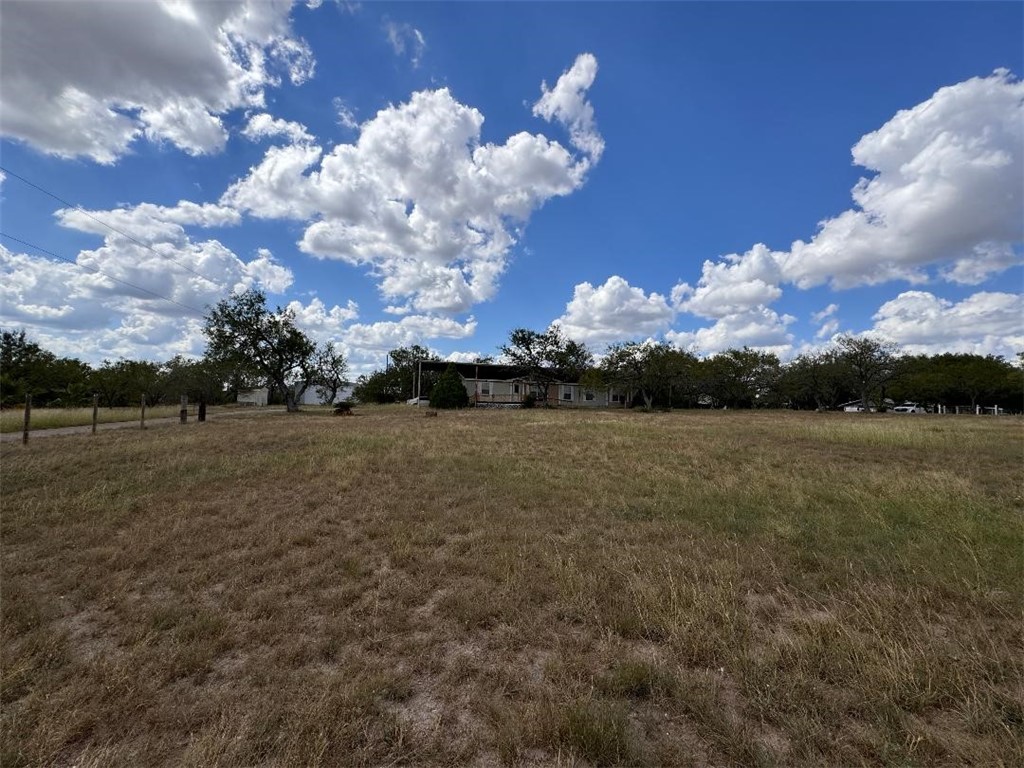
(544, 358)
(121, 382)
(398, 379)
(742, 378)
(330, 370)
(815, 381)
(242, 333)
(28, 369)
(871, 364)
(205, 380)
(645, 367)
(449, 391)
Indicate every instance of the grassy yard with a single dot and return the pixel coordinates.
(13, 419)
(533, 587)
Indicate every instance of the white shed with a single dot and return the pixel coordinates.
(253, 396)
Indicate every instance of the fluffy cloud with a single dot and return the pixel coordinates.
(984, 323)
(947, 192)
(413, 329)
(614, 311)
(949, 179)
(828, 320)
(463, 357)
(405, 39)
(418, 199)
(320, 322)
(148, 222)
(759, 328)
(346, 115)
(108, 304)
(567, 103)
(264, 126)
(734, 285)
(986, 259)
(88, 79)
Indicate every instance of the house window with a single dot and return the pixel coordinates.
(515, 389)
(588, 395)
(485, 388)
(567, 393)
(616, 397)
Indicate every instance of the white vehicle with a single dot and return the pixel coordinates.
(909, 408)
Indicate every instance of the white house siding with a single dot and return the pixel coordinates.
(253, 396)
(569, 395)
(312, 397)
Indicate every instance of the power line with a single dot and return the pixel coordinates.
(84, 212)
(101, 272)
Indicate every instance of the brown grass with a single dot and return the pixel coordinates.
(536, 587)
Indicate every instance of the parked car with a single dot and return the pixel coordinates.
(909, 408)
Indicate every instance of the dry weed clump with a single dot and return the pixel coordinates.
(536, 587)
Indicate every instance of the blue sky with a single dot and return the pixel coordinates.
(397, 173)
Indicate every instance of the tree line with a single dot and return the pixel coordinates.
(250, 345)
(657, 375)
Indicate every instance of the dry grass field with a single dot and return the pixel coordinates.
(534, 587)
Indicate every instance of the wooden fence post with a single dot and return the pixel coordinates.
(28, 418)
(95, 411)
(142, 419)
(202, 409)
(183, 413)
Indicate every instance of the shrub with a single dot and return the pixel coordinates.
(529, 400)
(449, 392)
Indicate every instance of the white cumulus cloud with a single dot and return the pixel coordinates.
(567, 103)
(614, 311)
(88, 79)
(412, 329)
(949, 178)
(946, 195)
(984, 323)
(760, 328)
(265, 126)
(418, 199)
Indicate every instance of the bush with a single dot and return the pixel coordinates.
(530, 400)
(449, 391)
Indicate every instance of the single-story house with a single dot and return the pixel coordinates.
(505, 386)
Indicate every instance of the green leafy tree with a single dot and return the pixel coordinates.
(449, 391)
(646, 368)
(742, 378)
(397, 382)
(28, 369)
(871, 365)
(546, 358)
(818, 381)
(120, 383)
(330, 372)
(203, 380)
(243, 334)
